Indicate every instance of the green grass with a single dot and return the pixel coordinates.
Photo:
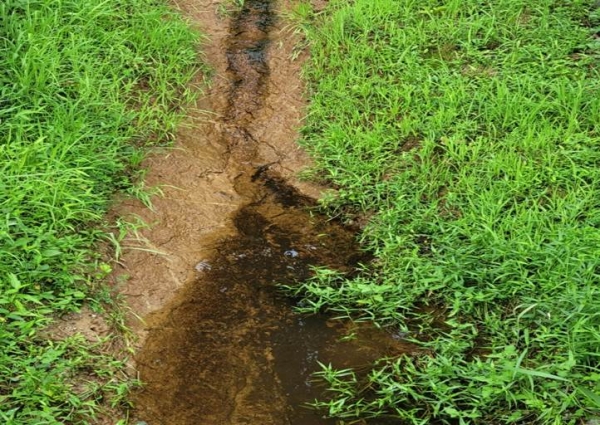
(84, 86)
(469, 132)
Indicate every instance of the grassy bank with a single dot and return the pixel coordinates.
(468, 132)
(84, 85)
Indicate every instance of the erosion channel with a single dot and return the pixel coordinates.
(228, 349)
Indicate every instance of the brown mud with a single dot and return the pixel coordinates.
(219, 343)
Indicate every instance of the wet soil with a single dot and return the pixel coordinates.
(219, 342)
(230, 350)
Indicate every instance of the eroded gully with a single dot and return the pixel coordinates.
(226, 348)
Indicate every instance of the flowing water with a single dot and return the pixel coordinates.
(229, 349)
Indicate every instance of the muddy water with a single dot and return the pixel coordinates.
(228, 349)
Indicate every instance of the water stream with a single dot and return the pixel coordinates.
(229, 349)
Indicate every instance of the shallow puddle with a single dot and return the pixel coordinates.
(229, 349)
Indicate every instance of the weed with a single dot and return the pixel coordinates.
(84, 86)
(228, 8)
(468, 131)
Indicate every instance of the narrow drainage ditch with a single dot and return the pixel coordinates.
(229, 349)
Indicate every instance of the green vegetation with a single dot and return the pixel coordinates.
(84, 86)
(468, 131)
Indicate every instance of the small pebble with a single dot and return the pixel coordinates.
(203, 266)
(291, 253)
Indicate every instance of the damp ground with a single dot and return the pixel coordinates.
(229, 349)
(219, 342)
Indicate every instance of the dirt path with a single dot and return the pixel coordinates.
(205, 357)
(217, 147)
(219, 345)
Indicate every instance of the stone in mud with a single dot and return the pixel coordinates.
(203, 266)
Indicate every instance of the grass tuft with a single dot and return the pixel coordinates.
(469, 131)
(84, 85)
